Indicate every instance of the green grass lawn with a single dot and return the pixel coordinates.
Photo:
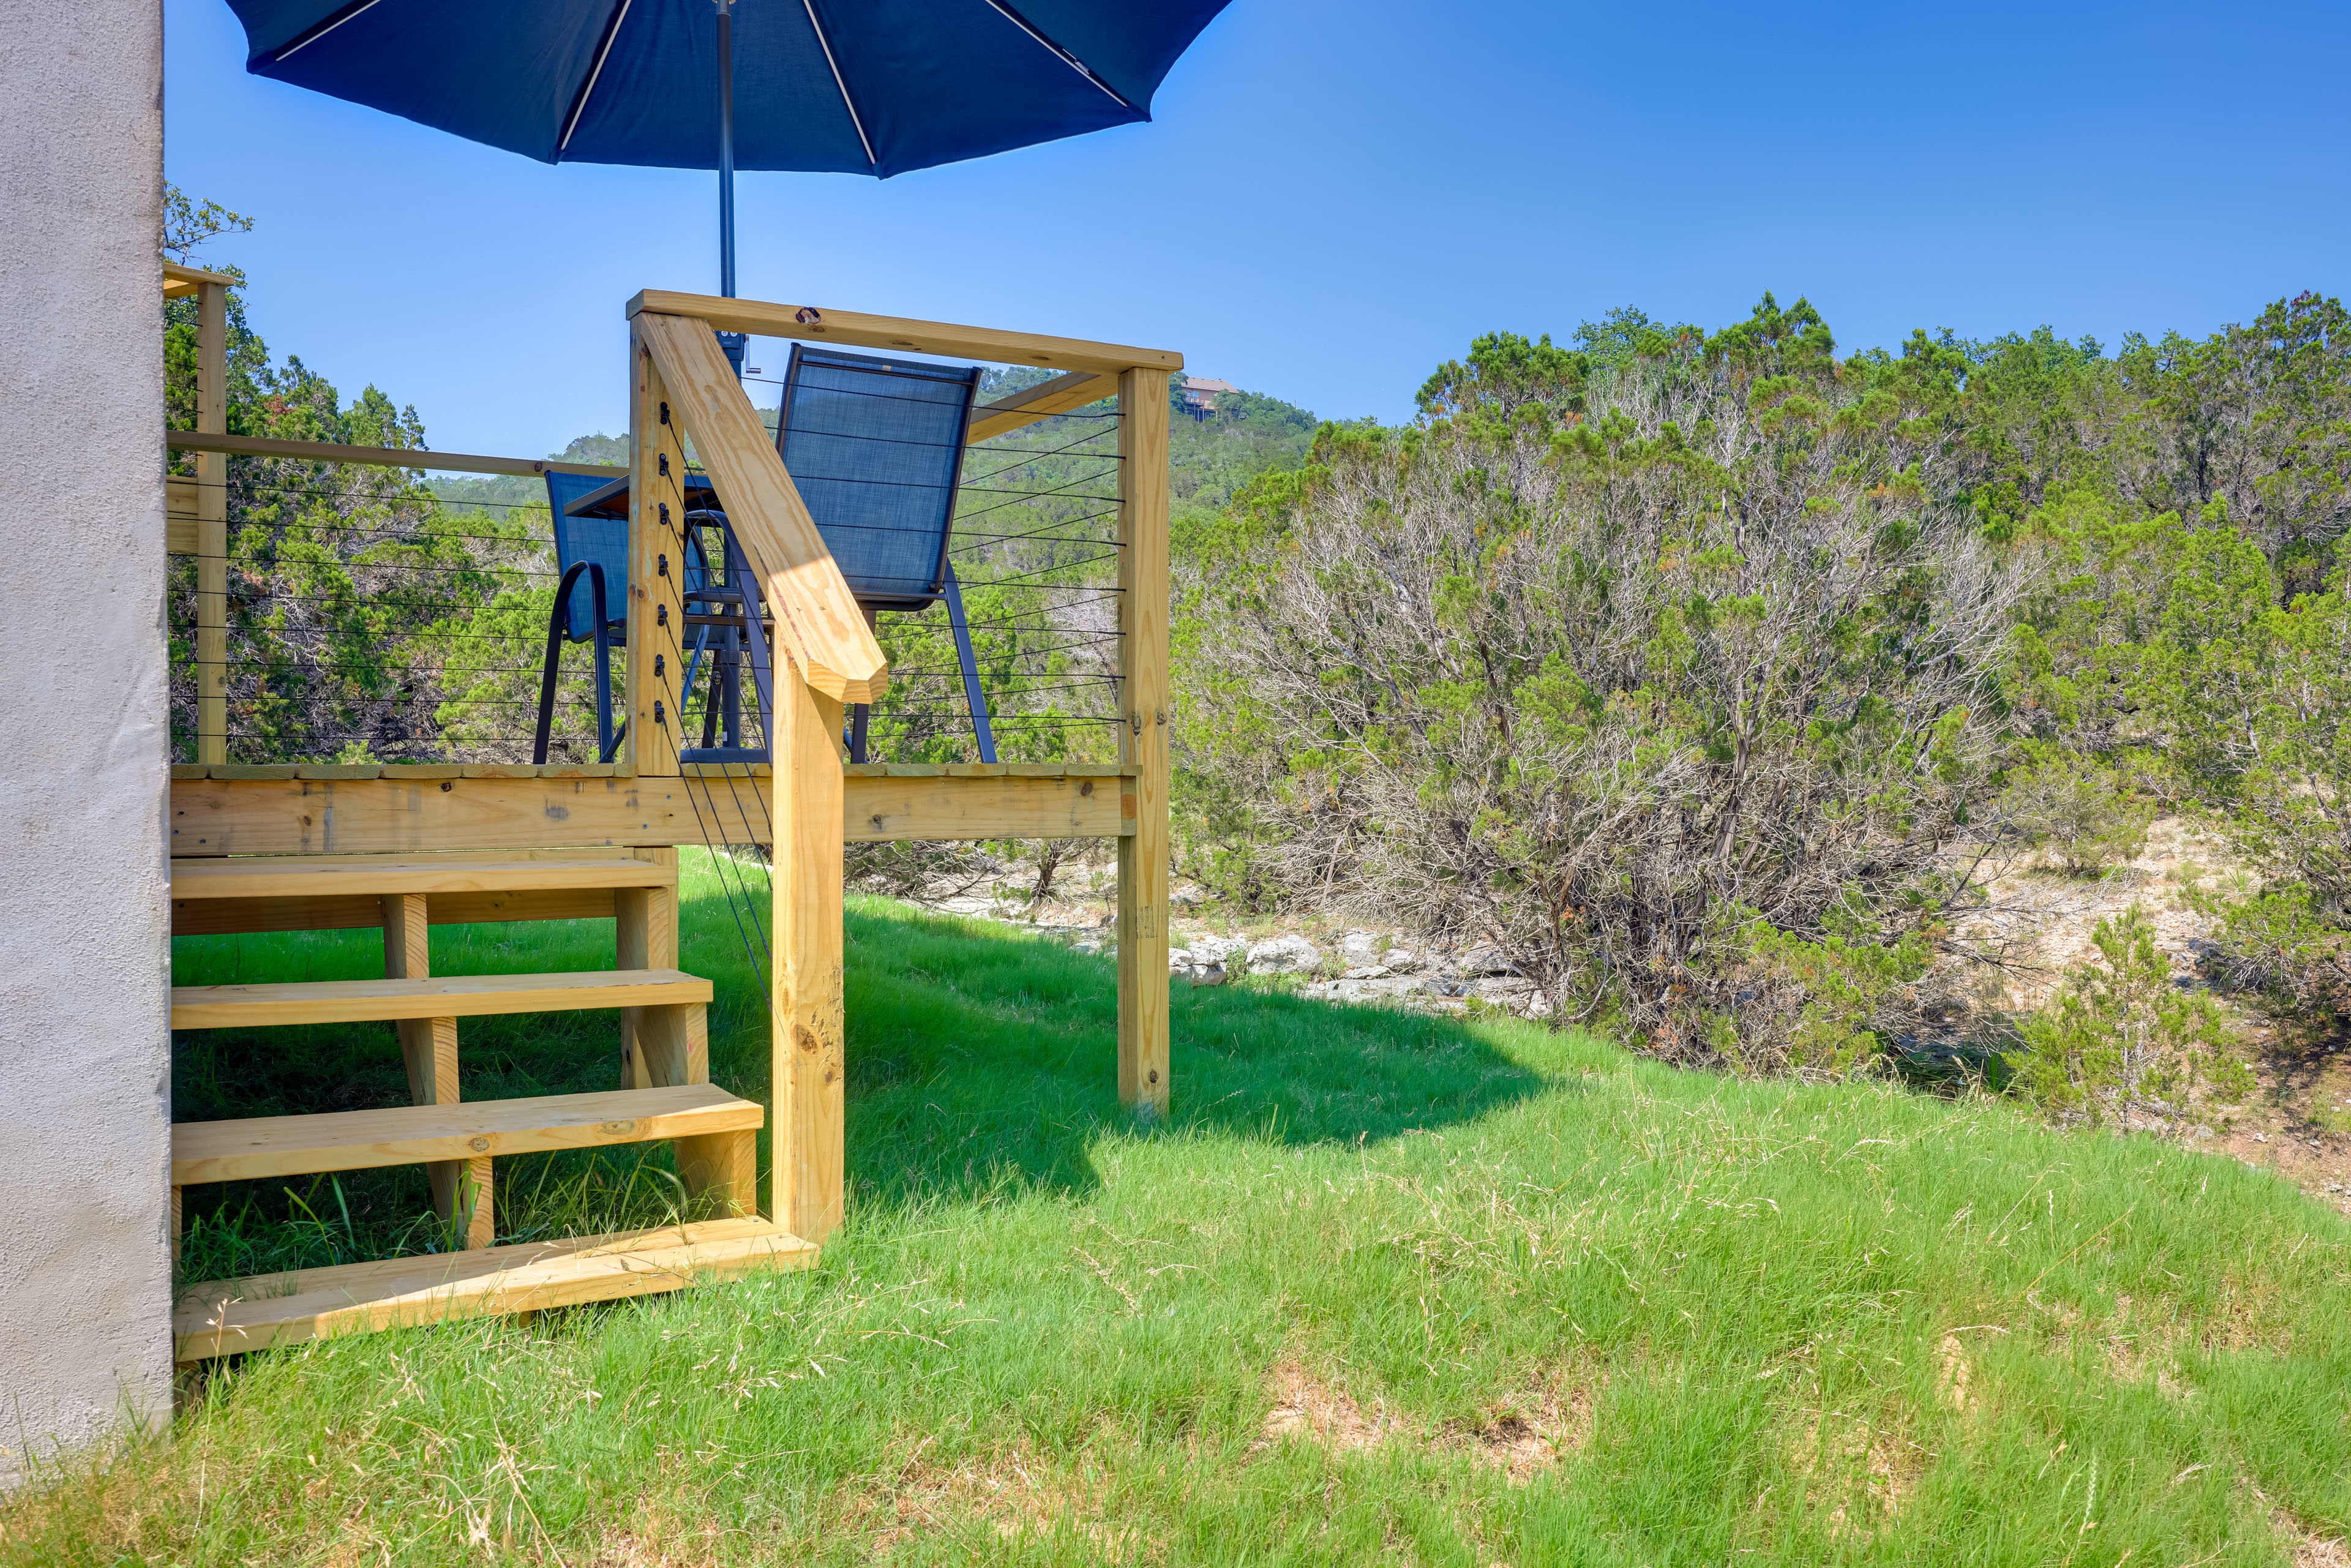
(1386, 1289)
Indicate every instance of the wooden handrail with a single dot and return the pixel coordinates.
(814, 609)
(380, 457)
(1042, 401)
(855, 330)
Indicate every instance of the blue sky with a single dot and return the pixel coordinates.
(1335, 196)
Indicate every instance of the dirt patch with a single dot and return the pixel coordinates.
(1866, 1470)
(1006, 1496)
(2310, 1549)
(2039, 923)
(1530, 1438)
(1955, 1372)
(1312, 1411)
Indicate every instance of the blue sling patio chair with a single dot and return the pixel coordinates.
(590, 517)
(875, 448)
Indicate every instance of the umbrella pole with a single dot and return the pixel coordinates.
(732, 342)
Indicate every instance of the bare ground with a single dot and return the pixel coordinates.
(2039, 923)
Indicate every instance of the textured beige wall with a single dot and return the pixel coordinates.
(84, 954)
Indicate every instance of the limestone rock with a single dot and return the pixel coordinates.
(1284, 955)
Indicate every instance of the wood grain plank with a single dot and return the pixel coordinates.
(1043, 400)
(857, 329)
(818, 620)
(807, 1061)
(412, 1135)
(218, 816)
(644, 937)
(461, 1187)
(377, 457)
(657, 565)
(212, 526)
(226, 1317)
(451, 995)
(1142, 854)
(306, 876)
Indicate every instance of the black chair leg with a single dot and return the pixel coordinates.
(963, 656)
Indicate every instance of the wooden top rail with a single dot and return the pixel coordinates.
(179, 281)
(815, 612)
(380, 456)
(853, 329)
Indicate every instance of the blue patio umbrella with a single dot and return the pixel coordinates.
(861, 87)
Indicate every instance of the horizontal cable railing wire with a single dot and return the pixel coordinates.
(386, 621)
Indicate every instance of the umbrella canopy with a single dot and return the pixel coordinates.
(863, 87)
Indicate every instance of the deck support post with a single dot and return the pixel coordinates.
(460, 1188)
(807, 1058)
(1142, 855)
(657, 565)
(211, 526)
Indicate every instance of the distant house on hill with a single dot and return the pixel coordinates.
(1200, 395)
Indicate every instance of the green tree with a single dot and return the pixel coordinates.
(2121, 1039)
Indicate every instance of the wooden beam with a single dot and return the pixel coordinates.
(460, 1188)
(180, 281)
(224, 1317)
(1143, 856)
(806, 1060)
(380, 456)
(1042, 401)
(657, 567)
(179, 515)
(263, 1147)
(318, 877)
(890, 810)
(644, 937)
(391, 816)
(853, 329)
(449, 995)
(211, 526)
(816, 618)
(359, 911)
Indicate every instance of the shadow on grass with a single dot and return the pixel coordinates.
(983, 1060)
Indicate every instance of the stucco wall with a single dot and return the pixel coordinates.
(85, 1277)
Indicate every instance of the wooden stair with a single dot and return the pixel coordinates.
(344, 876)
(414, 1134)
(229, 1316)
(664, 1093)
(436, 997)
(218, 895)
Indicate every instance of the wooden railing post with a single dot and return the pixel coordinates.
(1142, 855)
(807, 1058)
(211, 526)
(656, 540)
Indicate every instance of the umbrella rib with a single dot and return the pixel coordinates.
(838, 80)
(603, 51)
(1067, 59)
(320, 30)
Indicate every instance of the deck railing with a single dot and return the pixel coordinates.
(685, 399)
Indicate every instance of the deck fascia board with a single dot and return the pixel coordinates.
(214, 816)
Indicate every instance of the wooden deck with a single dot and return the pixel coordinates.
(406, 846)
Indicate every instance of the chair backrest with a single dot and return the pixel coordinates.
(875, 447)
(593, 534)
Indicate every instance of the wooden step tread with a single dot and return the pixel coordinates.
(305, 876)
(223, 1317)
(442, 995)
(412, 1135)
